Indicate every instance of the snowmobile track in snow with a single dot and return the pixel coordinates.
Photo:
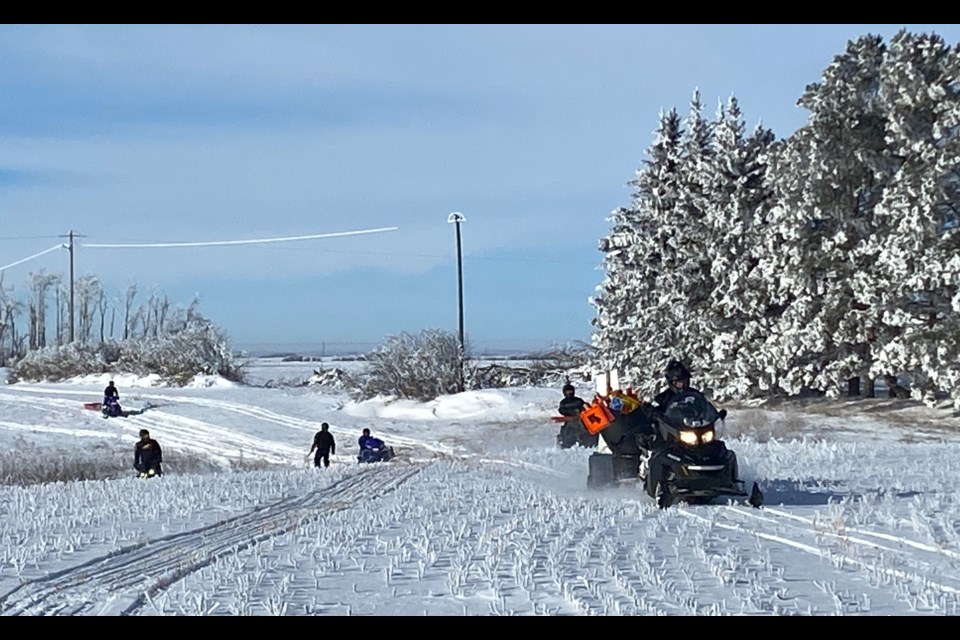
(121, 582)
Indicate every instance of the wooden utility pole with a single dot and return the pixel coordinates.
(70, 236)
(70, 248)
(456, 217)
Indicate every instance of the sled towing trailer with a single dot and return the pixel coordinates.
(672, 455)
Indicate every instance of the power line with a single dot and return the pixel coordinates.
(36, 255)
(446, 256)
(144, 245)
(27, 237)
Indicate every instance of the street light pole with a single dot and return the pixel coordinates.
(456, 218)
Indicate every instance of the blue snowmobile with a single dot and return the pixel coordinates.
(111, 408)
(374, 450)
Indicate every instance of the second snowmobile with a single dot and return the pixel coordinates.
(375, 451)
(675, 454)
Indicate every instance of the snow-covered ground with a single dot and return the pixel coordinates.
(480, 513)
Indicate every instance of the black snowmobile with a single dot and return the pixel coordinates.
(676, 454)
(573, 433)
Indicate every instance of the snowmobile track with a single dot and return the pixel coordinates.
(121, 582)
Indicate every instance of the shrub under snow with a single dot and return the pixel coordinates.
(200, 348)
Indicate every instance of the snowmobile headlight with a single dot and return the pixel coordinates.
(707, 436)
(688, 437)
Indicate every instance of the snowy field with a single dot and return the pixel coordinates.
(479, 514)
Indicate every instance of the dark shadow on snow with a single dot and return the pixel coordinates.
(814, 492)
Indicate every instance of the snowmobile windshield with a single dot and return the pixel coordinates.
(691, 409)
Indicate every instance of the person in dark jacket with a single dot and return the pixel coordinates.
(325, 446)
(111, 392)
(147, 456)
(572, 432)
(678, 381)
(571, 405)
(111, 400)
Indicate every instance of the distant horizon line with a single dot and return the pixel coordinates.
(333, 348)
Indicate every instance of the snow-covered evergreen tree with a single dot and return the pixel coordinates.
(828, 176)
(783, 267)
(736, 215)
(629, 329)
(689, 284)
(919, 265)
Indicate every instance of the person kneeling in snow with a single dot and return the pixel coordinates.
(147, 456)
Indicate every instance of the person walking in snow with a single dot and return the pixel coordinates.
(147, 456)
(324, 444)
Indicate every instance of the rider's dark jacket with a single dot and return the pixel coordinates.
(147, 455)
(662, 399)
(324, 443)
(571, 406)
(110, 393)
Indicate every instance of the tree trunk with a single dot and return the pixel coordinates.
(853, 386)
(894, 390)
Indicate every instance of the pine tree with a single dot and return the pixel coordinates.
(827, 178)
(919, 256)
(629, 331)
(736, 216)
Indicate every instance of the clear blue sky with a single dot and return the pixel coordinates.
(208, 133)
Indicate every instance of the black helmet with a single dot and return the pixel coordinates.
(676, 370)
(568, 387)
(144, 433)
(366, 432)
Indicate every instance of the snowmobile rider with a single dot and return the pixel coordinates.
(678, 381)
(367, 441)
(111, 393)
(325, 446)
(111, 400)
(571, 405)
(147, 456)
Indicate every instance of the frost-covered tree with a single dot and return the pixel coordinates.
(40, 285)
(738, 311)
(10, 308)
(828, 177)
(918, 269)
(629, 330)
(88, 292)
(688, 284)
